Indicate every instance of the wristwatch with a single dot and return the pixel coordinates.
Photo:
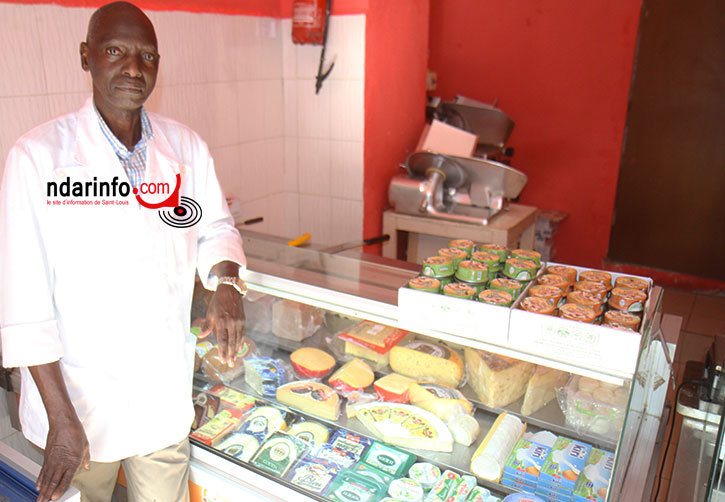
(234, 282)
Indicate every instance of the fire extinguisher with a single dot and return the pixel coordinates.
(310, 19)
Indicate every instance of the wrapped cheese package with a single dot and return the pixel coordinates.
(295, 321)
(258, 311)
(497, 380)
(489, 459)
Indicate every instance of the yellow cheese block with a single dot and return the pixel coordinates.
(311, 397)
(497, 380)
(427, 362)
(394, 388)
(353, 375)
(542, 388)
(443, 402)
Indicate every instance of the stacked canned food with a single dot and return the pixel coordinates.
(488, 273)
(590, 296)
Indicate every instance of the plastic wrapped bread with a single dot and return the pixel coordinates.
(490, 457)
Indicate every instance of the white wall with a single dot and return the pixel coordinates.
(288, 155)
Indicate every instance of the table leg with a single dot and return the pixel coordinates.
(390, 247)
(527, 237)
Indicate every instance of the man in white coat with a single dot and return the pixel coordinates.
(97, 281)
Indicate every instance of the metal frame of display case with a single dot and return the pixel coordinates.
(366, 290)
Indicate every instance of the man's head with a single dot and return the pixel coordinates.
(121, 53)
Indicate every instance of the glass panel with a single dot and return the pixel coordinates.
(374, 281)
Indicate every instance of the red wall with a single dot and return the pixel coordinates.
(561, 70)
(396, 46)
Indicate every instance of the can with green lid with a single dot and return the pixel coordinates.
(501, 251)
(438, 266)
(512, 286)
(428, 284)
(464, 244)
(490, 259)
(521, 270)
(527, 254)
(455, 254)
(472, 271)
(459, 290)
(478, 286)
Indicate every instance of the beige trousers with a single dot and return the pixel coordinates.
(162, 476)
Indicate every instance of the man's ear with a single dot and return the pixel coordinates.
(84, 56)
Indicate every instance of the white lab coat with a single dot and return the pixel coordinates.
(107, 289)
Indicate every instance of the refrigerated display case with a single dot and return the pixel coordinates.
(330, 295)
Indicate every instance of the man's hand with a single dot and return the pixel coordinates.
(225, 316)
(66, 447)
(65, 451)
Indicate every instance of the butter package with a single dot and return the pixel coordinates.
(218, 427)
(313, 474)
(525, 461)
(352, 487)
(389, 459)
(564, 463)
(232, 397)
(593, 481)
(368, 471)
(550, 495)
(344, 448)
(279, 453)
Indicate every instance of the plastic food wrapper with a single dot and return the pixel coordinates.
(371, 342)
(295, 321)
(313, 474)
(279, 453)
(352, 377)
(489, 458)
(265, 374)
(594, 407)
(206, 407)
(344, 449)
(215, 370)
(232, 398)
(216, 429)
(258, 311)
(311, 397)
(451, 487)
(356, 398)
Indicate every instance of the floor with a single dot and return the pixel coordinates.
(703, 326)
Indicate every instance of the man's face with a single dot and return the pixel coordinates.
(121, 54)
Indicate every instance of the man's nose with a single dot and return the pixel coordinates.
(132, 66)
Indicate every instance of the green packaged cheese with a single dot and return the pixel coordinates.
(389, 459)
(279, 453)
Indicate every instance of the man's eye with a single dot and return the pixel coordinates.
(148, 56)
(112, 51)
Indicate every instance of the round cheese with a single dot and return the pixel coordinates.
(312, 432)
(353, 375)
(309, 362)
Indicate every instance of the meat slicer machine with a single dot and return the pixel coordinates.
(463, 189)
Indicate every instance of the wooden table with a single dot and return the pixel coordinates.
(513, 227)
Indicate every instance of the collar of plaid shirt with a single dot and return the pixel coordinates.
(133, 162)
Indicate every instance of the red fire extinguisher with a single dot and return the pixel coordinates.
(310, 20)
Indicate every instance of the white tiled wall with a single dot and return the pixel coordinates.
(287, 154)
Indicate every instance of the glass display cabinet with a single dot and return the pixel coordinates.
(351, 381)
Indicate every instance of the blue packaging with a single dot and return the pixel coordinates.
(526, 460)
(564, 463)
(522, 497)
(518, 484)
